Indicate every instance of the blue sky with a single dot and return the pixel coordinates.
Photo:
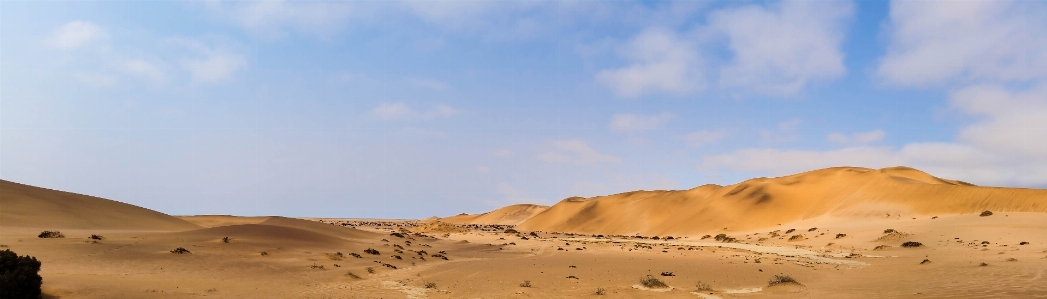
(415, 109)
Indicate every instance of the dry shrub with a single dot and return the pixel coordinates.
(985, 213)
(525, 284)
(601, 291)
(180, 250)
(702, 287)
(50, 234)
(652, 282)
(782, 280)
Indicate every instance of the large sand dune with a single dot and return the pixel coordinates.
(508, 215)
(29, 206)
(767, 202)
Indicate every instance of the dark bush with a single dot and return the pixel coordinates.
(812, 229)
(840, 235)
(1023, 243)
(430, 285)
(782, 279)
(525, 284)
(50, 234)
(533, 234)
(667, 273)
(889, 230)
(225, 240)
(265, 253)
(96, 237)
(600, 291)
(985, 213)
(912, 244)
(706, 237)
(791, 230)
(652, 282)
(19, 276)
(398, 235)
(180, 250)
(925, 261)
(372, 251)
(702, 287)
(511, 231)
(356, 255)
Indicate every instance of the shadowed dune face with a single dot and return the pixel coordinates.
(508, 215)
(766, 202)
(29, 206)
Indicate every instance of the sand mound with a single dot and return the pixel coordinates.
(321, 228)
(509, 215)
(439, 227)
(263, 234)
(29, 206)
(765, 202)
(222, 220)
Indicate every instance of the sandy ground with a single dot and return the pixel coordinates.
(137, 264)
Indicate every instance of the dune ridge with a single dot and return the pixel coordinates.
(30, 206)
(508, 215)
(766, 202)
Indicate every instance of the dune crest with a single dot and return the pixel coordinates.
(29, 206)
(508, 215)
(766, 202)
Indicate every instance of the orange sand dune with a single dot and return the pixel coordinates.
(223, 220)
(508, 215)
(29, 206)
(262, 234)
(766, 202)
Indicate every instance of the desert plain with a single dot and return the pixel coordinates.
(844, 232)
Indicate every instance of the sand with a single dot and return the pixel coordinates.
(306, 258)
(508, 215)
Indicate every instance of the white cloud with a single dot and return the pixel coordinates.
(211, 64)
(785, 132)
(427, 83)
(576, 151)
(661, 62)
(75, 34)
(779, 48)
(704, 137)
(144, 69)
(274, 17)
(390, 111)
(934, 42)
(635, 123)
(1006, 146)
(859, 138)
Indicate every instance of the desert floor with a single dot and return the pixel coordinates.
(486, 264)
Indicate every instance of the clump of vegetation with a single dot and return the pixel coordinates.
(812, 229)
(911, 244)
(652, 282)
(511, 231)
(1023, 243)
(983, 264)
(398, 257)
(317, 267)
(782, 280)
(440, 256)
(706, 237)
(1012, 259)
(533, 234)
(668, 273)
(572, 277)
(372, 251)
(796, 238)
(724, 238)
(265, 253)
(600, 291)
(96, 237)
(19, 276)
(889, 230)
(525, 284)
(925, 261)
(370, 270)
(791, 230)
(985, 213)
(356, 255)
(353, 275)
(391, 266)
(398, 235)
(181, 250)
(50, 234)
(430, 285)
(840, 235)
(225, 240)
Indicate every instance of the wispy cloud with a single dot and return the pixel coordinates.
(403, 111)
(576, 151)
(75, 34)
(635, 123)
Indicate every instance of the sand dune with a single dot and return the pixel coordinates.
(766, 202)
(29, 206)
(223, 220)
(508, 215)
(262, 234)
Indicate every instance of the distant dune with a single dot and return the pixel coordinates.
(766, 202)
(29, 206)
(508, 215)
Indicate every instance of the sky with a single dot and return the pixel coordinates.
(415, 109)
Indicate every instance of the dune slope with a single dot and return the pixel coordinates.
(508, 215)
(766, 202)
(29, 206)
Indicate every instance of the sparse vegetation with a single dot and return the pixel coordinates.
(96, 237)
(925, 261)
(600, 291)
(1012, 259)
(317, 267)
(430, 285)
(181, 250)
(265, 253)
(840, 235)
(19, 276)
(1023, 243)
(702, 287)
(812, 229)
(50, 234)
(511, 231)
(225, 240)
(889, 230)
(796, 238)
(370, 270)
(983, 264)
(652, 282)
(398, 235)
(706, 237)
(985, 213)
(372, 251)
(667, 273)
(782, 280)
(525, 284)
(353, 275)
(356, 255)
(791, 230)
(912, 244)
